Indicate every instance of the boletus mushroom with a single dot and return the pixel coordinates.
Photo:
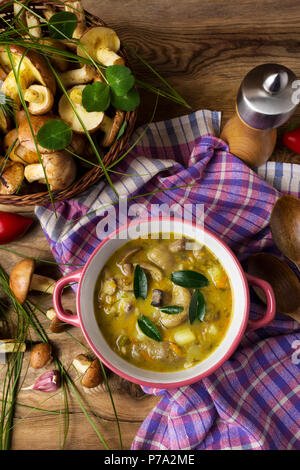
(22, 280)
(41, 355)
(92, 376)
(102, 44)
(56, 325)
(40, 99)
(59, 167)
(85, 74)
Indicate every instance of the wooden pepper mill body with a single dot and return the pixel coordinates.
(253, 146)
(264, 102)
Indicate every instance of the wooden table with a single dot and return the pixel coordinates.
(204, 48)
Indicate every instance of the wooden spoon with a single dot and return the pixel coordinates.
(285, 227)
(283, 280)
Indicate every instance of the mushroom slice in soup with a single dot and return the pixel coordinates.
(161, 257)
(181, 297)
(155, 272)
(177, 245)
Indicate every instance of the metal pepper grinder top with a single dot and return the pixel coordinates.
(264, 102)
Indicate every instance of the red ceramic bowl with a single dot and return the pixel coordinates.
(85, 318)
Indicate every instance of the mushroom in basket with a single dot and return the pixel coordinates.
(93, 121)
(33, 68)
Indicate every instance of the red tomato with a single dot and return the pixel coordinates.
(292, 140)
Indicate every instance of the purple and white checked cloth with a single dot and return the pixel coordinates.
(253, 400)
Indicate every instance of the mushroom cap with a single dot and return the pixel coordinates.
(60, 169)
(4, 122)
(41, 355)
(24, 131)
(45, 103)
(37, 65)
(18, 153)
(98, 37)
(113, 132)
(20, 278)
(92, 121)
(11, 178)
(93, 375)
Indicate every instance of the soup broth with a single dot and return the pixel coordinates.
(182, 342)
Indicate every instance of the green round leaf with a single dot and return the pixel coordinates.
(197, 308)
(96, 97)
(148, 328)
(62, 25)
(128, 102)
(120, 79)
(189, 279)
(54, 135)
(140, 283)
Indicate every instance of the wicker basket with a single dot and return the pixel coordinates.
(92, 176)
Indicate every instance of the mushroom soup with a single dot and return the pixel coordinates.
(163, 307)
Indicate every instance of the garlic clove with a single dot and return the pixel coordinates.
(47, 382)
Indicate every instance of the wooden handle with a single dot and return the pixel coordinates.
(253, 146)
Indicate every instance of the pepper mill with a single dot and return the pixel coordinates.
(264, 102)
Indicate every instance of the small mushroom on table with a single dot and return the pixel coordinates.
(92, 379)
(102, 44)
(22, 280)
(41, 355)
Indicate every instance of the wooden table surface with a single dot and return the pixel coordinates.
(204, 48)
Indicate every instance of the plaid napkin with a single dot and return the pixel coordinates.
(252, 401)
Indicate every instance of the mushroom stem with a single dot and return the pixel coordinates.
(34, 172)
(10, 346)
(32, 96)
(42, 284)
(108, 57)
(106, 124)
(76, 96)
(78, 76)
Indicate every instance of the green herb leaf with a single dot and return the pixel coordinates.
(172, 309)
(122, 130)
(148, 328)
(54, 135)
(127, 102)
(65, 22)
(197, 308)
(140, 283)
(190, 279)
(96, 97)
(120, 79)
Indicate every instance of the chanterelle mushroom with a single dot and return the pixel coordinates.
(40, 99)
(11, 177)
(92, 121)
(22, 280)
(60, 169)
(102, 44)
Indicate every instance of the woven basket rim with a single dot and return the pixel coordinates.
(93, 175)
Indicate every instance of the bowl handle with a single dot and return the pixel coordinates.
(270, 301)
(58, 289)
